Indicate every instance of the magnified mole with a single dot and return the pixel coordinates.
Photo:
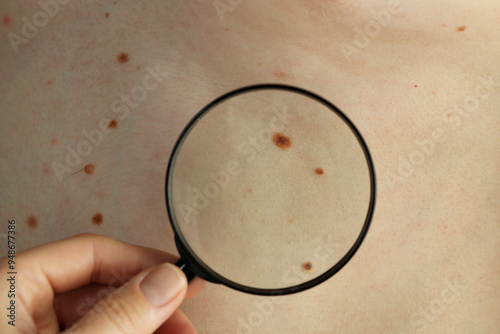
(89, 169)
(97, 219)
(282, 141)
(319, 171)
(307, 266)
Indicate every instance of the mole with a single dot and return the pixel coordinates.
(319, 171)
(122, 57)
(307, 266)
(112, 124)
(461, 28)
(281, 141)
(32, 222)
(97, 219)
(89, 169)
(107, 15)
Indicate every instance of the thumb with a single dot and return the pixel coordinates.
(140, 306)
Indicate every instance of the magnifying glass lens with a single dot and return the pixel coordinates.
(271, 188)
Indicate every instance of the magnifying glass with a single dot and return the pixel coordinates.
(270, 190)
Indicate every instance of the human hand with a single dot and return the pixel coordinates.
(94, 284)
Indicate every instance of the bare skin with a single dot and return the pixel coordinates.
(429, 261)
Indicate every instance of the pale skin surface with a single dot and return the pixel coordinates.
(434, 227)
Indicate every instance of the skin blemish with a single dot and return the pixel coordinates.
(290, 221)
(46, 170)
(138, 68)
(89, 169)
(6, 20)
(250, 191)
(97, 219)
(280, 75)
(112, 124)
(53, 141)
(319, 171)
(49, 82)
(32, 222)
(281, 141)
(416, 86)
(226, 29)
(461, 28)
(107, 15)
(307, 266)
(433, 93)
(122, 57)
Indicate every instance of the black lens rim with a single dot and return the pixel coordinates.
(205, 271)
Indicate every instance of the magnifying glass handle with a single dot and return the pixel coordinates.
(182, 266)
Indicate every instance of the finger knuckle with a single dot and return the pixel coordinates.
(120, 313)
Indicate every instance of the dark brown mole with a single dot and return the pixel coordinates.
(319, 171)
(89, 169)
(281, 141)
(461, 28)
(97, 219)
(107, 15)
(122, 57)
(112, 124)
(307, 266)
(32, 222)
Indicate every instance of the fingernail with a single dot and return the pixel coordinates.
(162, 284)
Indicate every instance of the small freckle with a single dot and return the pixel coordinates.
(445, 227)
(46, 170)
(387, 131)
(138, 68)
(319, 171)
(6, 20)
(433, 93)
(107, 15)
(461, 28)
(53, 141)
(444, 25)
(49, 82)
(307, 266)
(259, 63)
(281, 141)
(32, 222)
(157, 156)
(89, 169)
(123, 57)
(280, 75)
(250, 191)
(113, 124)
(290, 221)
(449, 114)
(226, 29)
(97, 219)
